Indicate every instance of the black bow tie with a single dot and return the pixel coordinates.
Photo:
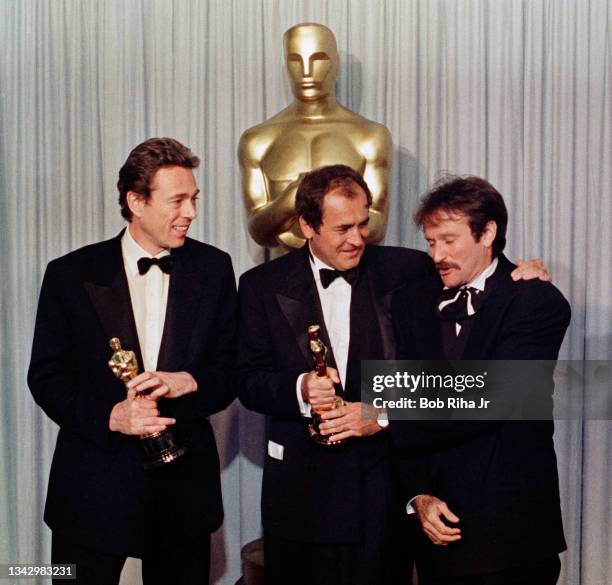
(165, 263)
(453, 303)
(328, 276)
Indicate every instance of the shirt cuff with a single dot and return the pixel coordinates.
(305, 409)
(409, 509)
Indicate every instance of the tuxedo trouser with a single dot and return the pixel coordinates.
(544, 571)
(184, 564)
(383, 555)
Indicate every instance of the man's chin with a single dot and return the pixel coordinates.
(449, 278)
(176, 243)
(351, 262)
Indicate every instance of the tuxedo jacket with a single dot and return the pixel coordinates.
(499, 477)
(313, 493)
(98, 490)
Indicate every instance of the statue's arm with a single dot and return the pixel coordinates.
(377, 150)
(267, 217)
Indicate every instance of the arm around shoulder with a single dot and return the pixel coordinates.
(535, 324)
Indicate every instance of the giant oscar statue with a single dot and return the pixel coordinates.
(314, 131)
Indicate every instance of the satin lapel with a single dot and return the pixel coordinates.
(382, 306)
(185, 295)
(300, 315)
(300, 304)
(426, 329)
(110, 296)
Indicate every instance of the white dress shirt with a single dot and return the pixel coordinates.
(478, 283)
(149, 295)
(336, 305)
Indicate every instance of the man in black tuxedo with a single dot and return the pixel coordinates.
(328, 512)
(171, 300)
(487, 493)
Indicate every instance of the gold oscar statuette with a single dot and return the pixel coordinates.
(160, 448)
(312, 132)
(319, 352)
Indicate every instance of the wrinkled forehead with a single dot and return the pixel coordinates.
(308, 39)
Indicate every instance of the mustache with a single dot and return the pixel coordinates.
(445, 266)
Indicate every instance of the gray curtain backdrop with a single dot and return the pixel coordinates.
(518, 91)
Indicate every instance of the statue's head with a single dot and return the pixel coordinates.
(312, 60)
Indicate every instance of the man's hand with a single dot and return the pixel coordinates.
(429, 511)
(319, 392)
(166, 384)
(530, 269)
(137, 417)
(353, 419)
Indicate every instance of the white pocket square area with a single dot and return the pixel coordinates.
(275, 450)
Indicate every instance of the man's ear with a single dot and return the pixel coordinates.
(488, 234)
(306, 228)
(135, 202)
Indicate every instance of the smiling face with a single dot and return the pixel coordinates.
(312, 61)
(459, 258)
(161, 221)
(340, 241)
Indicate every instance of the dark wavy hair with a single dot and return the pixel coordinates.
(471, 196)
(144, 161)
(316, 184)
